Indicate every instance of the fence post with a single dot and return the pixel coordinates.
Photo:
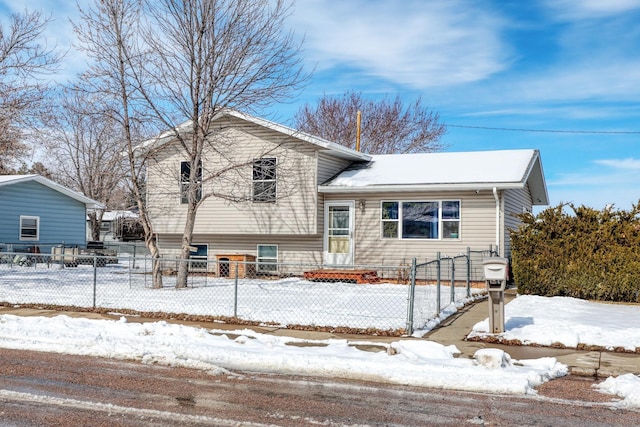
(453, 279)
(95, 278)
(438, 277)
(235, 294)
(468, 272)
(412, 295)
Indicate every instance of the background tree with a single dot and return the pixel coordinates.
(175, 62)
(24, 62)
(37, 168)
(109, 33)
(387, 126)
(87, 148)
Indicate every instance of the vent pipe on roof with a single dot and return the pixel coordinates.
(358, 120)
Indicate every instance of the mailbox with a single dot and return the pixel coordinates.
(495, 269)
(495, 274)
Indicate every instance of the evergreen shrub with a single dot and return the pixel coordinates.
(578, 252)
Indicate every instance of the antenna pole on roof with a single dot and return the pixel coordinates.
(358, 120)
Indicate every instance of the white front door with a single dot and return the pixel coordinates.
(338, 233)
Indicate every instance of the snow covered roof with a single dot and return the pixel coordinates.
(112, 215)
(15, 179)
(332, 148)
(473, 170)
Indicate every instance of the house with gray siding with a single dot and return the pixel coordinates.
(39, 213)
(295, 198)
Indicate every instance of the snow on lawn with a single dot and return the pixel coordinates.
(572, 322)
(529, 319)
(288, 301)
(535, 320)
(410, 362)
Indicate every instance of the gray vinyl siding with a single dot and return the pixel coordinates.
(291, 249)
(477, 228)
(477, 231)
(230, 210)
(328, 167)
(515, 202)
(61, 218)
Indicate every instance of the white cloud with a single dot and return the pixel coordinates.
(623, 164)
(585, 81)
(414, 43)
(584, 9)
(595, 197)
(598, 187)
(571, 87)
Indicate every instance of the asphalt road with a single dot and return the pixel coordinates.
(45, 389)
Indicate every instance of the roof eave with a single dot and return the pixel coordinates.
(471, 186)
(534, 177)
(88, 202)
(334, 149)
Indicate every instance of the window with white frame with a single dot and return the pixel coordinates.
(450, 213)
(264, 180)
(29, 228)
(420, 219)
(267, 259)
(390, 221)
(185, 172)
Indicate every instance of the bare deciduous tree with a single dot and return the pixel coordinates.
(387, 126)
(24, 61)
(181, 62)
(87, 148)
(109, 34)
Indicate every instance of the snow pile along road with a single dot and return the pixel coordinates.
(410, 362)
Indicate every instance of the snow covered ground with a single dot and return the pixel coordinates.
(414, 362)
(570, 322)
(286, 301)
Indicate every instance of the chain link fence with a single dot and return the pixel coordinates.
(390, 300)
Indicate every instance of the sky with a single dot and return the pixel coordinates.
(552, 65)
(559, 76)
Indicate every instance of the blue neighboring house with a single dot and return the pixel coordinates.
(37, 214)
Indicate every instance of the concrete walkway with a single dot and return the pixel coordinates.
(585, 363)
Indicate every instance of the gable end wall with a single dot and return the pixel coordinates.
(516, 201)
(62, 219)
(294, 213)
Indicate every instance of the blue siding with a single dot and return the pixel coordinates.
(62, 218)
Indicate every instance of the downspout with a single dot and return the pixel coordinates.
(495, 196)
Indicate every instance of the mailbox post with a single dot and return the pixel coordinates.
(495, 274)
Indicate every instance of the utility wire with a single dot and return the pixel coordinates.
(605, 132)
